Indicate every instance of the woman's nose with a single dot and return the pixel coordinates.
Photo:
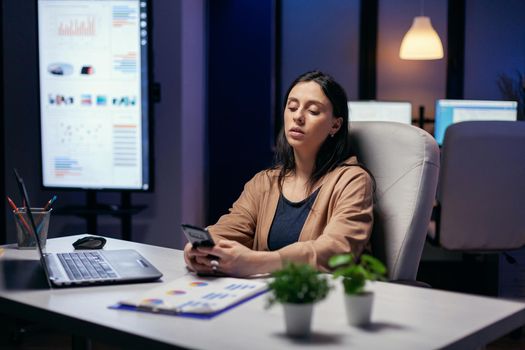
(298, 116)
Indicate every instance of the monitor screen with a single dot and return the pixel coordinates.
(400, 112)
(455, 111)
(94, 94)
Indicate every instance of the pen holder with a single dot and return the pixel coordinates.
(26, 238)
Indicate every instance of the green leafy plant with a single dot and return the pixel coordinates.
(355, 272)
(297, 284)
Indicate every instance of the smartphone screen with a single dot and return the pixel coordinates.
(197, 236)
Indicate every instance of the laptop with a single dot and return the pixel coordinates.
(89, 267)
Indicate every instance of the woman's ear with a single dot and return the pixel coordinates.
(336, 125)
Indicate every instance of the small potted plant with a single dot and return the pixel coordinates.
(354, 274)
(297, 287)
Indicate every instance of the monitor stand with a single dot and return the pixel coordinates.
(93, 209)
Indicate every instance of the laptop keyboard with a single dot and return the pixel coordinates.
(86, 266)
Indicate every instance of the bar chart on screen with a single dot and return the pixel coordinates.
(76, 27)
(72, 27)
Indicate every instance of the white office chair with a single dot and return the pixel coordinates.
(404, 161)
(482, 187)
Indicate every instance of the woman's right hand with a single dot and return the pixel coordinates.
(197, 261)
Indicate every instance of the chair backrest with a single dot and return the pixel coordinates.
(482, 186)
(404, 161)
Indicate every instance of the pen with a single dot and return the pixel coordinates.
(17, 212)
(50, 202)
(46, 208)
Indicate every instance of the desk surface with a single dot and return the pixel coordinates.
(404, 317)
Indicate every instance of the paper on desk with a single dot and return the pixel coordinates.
(191, 294)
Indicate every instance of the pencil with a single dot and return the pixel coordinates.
(19, 214)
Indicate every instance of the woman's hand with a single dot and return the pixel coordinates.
(196, 260)
(235, 259)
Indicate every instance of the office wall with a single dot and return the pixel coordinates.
(21, 136)
(419, 82)
(239, 129)
(178, 43)
(193, 111)
(179, 39)
(179, 35)
(494, 44)
(320, 35)
(325, 35)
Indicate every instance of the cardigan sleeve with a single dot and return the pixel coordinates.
(240, 223)
(348, 228)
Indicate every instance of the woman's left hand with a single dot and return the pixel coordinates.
(234, 259)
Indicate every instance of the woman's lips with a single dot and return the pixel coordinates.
(296, 133)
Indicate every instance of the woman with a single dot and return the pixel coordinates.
(315, 202)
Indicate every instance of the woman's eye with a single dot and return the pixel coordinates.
(292, 109)
(314, 112)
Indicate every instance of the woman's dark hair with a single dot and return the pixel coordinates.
(335, 150)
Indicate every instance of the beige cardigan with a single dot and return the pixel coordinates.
(340, 220)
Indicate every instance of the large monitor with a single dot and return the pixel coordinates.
(95, 107)
(400, 112)
(455, 111)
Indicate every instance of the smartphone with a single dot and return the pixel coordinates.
(197, 236)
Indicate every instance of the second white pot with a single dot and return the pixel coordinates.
(359, 308)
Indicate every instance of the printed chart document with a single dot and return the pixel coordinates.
(191, 295)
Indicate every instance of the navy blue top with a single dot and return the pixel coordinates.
(289, 221)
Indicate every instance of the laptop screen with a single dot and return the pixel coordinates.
(25, 197)
(455, 111)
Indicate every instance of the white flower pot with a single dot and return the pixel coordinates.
(359, 308)
(298, 319)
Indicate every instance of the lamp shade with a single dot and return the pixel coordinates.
(421, 42)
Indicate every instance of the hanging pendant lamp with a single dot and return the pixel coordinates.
(421, 42)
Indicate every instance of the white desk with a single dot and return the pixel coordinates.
(404, 317)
